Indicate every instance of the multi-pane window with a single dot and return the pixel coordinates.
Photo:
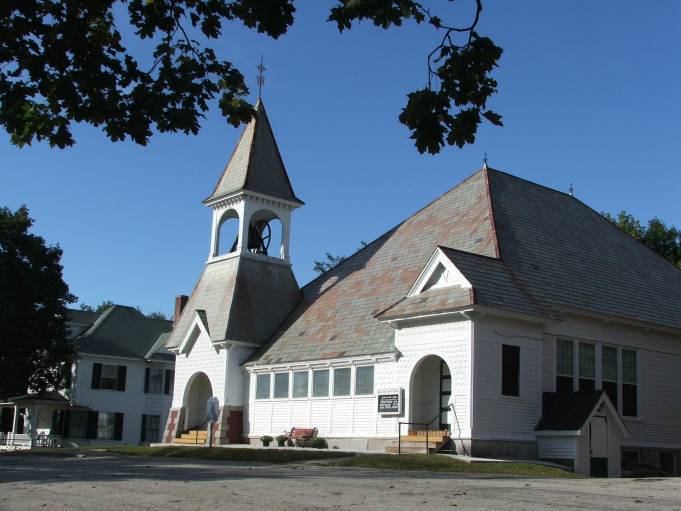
(281, 385)
(364, 380)
(565, 366)
(510, 370)
(108, 377)
(587, 366)
(155, 380)
(629, 394)
(609, 372)
(106, 425)
(151, 426)
(77, 427)
(300, 383)
(341, 381)
(262, 386)
(320, 383)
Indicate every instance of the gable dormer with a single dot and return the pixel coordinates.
(439, 272)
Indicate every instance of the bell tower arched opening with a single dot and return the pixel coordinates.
(227, 236)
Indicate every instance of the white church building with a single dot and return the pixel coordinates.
(506, 316)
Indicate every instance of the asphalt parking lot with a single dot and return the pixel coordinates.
(105, 482)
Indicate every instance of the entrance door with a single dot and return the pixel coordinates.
(599, 447)
(445, 397)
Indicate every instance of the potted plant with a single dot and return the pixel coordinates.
(281, 440)
(265, 439)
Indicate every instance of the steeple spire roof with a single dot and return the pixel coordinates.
(256, 164)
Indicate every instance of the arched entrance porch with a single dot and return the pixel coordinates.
(430, 391)
(196, 395)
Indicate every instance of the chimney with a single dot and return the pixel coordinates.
(180, 302)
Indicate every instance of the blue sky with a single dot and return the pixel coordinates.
(589, 92)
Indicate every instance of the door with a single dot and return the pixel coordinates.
(599, 447)
(445, 397)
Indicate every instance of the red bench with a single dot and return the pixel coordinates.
(301, 435)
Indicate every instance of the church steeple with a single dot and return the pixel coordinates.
(256, 164)
(255, 189)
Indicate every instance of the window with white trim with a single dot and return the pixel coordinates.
(262, 386)
(364, 380)
(629, 384)
(281, 381)
(587, 366)
(106, 425)
(565, 365)
(300, 383)
(320, 383)
(341, 381)
(609, 373)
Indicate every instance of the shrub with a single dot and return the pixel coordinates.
(266, 439)
(318, 443)
(281, 440)
(290, 443)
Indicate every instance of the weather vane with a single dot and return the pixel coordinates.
(260, 77)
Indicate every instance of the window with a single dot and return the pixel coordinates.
(109, 426)
(565, 366)
(300, 380)
(610, 373)
(629, 397)
(320, 383)
(281, 385)
(262, 386)
(169, 382)
(364, 380)
(341, 382)
(108, 377)
(77, 425)
(151, 428)
(510, 370)
(153, 380)
(587, 366)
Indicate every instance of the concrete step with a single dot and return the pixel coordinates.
(419, 438)
(189, 441)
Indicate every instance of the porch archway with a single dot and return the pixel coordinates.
(430, 394)
(196, 395)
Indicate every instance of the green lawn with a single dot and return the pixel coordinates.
(437, 463)
(269, 455)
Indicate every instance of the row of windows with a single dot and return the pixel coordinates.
(321, 379)
(101, 425)
(113, 377)
(576, 369)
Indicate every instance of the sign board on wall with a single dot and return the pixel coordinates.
(390, 402)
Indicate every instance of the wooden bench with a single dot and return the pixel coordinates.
(301, 435)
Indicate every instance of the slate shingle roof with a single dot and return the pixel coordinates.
(336, 317)
(544, 251)
(123, 331)
(567, 411)
(239, 299)
(256, 164)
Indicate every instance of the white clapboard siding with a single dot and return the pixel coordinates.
(555, 447)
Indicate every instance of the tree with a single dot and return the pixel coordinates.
(33, 300)
(331, 261)
(157, 315)
(326, 264)
(65, 61)
(664, 240)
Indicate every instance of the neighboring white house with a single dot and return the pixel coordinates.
(118, 390)
(512, 316)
